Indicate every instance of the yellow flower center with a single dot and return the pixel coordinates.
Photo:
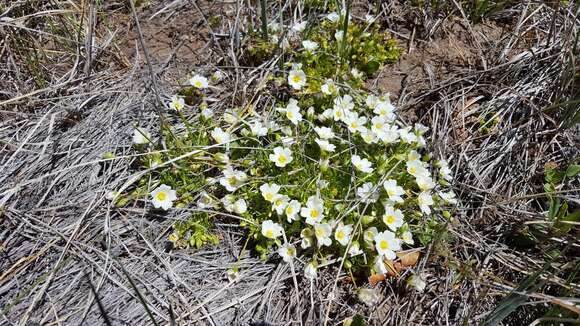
(379, 125)
(289, 210)
(296, 78)
(384, 245)
(161, 196)
(340, 234)
(390, 219)
(290, 251)
(282, 159)
(269, 196)
(197, 84)
(314, 213)
(412, 170)
(319, 232)
(289, 115)
(354, 125)
(269, 233)
(278, 202)
(390, 192)
(232, 181)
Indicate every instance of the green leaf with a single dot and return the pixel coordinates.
(554, 176)
(566, 227)
(554, 207)
(371, 67)
(357, 320)
(573, 170)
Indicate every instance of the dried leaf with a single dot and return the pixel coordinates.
(409, 259)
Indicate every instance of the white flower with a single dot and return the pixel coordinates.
(407, 238)
(416, 282)
(207, 113)
(393, 218)
(232, 179)
(416, 168)
(325, 146)
(339, 35)
(281, 157)
(386, 244)
(390, 134)
(367, 193)
(342, 234)
(309, 45)
(444, 170)
(379, 265)
(297, 79)
(448, 197)
(326, 115)
(354, 122)
(343, 105)
(220, 136)
(292, 210)
(421, 129)
(357, 74)
(314, 210)
(198, 81)
(258, 129)
(362, 164)
(333, 17)
(378, 125)
(371, 101)
(292, 111)
(354, 249)
(328, 87)
(413, 156)
(370, 234)
(310, 271)
(323, 232)
(369, 18)
(368, 136)
(279, 203)
(385, 110)
(424, 200)
(228, 202)
(240, 206)
(163, 197)
(205, 201)
(274, 39)
(218, 75)
(269, 191)
(425, 182)
(287, 252)
(324, 132)
(299, 26)
(310, 113)
(231, 116)
(393, 191)
(407, 135)
(141, 136)
(177, 103)
(271, 230)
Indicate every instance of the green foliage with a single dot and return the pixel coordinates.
(194, 232)
(227, 164)
(558, 210)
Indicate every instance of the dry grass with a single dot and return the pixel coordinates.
(73, 84)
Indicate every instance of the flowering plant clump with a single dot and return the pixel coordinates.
(327, 172)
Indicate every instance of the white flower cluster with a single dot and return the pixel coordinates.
(340, 176)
